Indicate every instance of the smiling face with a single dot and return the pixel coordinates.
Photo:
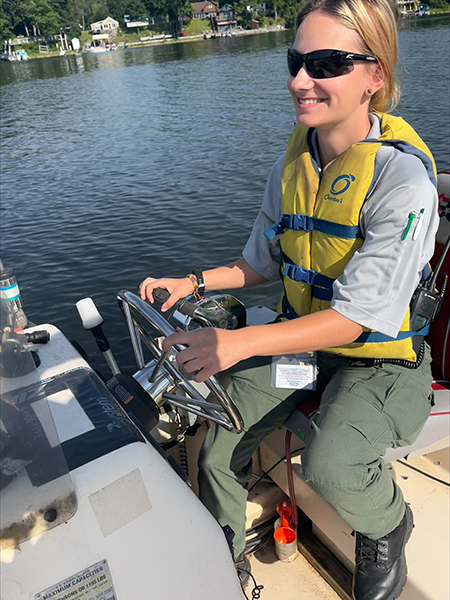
(340, 103)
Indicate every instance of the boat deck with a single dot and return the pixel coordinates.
(428, 552)
(289, 581)
(424, 482)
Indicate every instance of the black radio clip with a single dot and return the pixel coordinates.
(427, 299)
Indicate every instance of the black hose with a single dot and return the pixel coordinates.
(440, 263)
(401, 362)
(182, 454)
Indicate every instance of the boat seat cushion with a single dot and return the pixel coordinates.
(439, 336)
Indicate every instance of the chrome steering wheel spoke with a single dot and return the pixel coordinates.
(161, 378)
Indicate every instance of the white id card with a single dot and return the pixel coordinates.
(294, 371)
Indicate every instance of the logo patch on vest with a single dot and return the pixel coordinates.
(339, 186)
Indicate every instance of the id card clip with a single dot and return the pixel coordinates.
(294, 371)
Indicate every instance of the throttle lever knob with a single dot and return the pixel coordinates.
(161, 295)
(186, 308)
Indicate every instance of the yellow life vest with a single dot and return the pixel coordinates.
(320, 230)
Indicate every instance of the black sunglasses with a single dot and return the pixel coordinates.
(323, 64)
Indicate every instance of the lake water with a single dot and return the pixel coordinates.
(153, 161)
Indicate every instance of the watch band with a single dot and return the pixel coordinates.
(201, 284)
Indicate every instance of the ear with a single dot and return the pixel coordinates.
(377, 78)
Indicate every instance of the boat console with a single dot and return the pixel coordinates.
(91, 508)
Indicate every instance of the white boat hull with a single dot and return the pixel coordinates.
(136, 518)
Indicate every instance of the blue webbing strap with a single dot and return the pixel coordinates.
(377, 338)
(308, 276)
(321, 286)
(426, 272)
(288, 311)
(367, 337)
(308, 223)
(321, 293)
(316, 292)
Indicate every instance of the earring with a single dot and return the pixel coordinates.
(369, 92)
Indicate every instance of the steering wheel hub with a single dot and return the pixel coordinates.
(162, 378)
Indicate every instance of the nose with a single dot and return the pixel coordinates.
(301, 81)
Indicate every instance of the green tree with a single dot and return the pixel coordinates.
(290, 12)
(178, 8)
(32, 17)
(5, 27)
(7, 18)
(136, 9)
(81, 13)
(155, 8)
(243, 15)
(45, 19)
(441, 4)
(13, 14)
(118, 8)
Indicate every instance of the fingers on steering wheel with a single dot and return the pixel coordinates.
(200, 376)
(188, 355)
(146, 295)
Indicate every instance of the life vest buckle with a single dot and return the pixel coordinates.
(299, 274)
(301, 223)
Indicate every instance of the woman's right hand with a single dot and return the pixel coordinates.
(177, 288)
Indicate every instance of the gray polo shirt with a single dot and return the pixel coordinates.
(378, 282)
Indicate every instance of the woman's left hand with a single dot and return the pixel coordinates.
(208, 351)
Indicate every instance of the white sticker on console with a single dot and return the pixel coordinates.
(93, 583)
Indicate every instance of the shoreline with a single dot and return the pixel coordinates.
(194, 38)
(146, 44)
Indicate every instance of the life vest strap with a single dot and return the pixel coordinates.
(321, 293)
(302, 275)
(308, 223)
(373, 337)
(321, 285)
(368, 337)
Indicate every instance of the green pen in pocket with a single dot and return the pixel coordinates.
(411, 217)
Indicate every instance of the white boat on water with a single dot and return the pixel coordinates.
(98, 46)
(97, 49)
(21, 54)
(95, 507)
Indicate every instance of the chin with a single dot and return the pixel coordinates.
(307, 120)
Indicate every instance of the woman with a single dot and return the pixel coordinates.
(343, 206)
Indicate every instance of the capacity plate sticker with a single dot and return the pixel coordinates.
(93, 583)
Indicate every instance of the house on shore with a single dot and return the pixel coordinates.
(205, 10)
(223, 20)
(107, 26)
(407, 7)
(226, 19)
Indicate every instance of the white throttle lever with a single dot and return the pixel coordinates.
(92, 321)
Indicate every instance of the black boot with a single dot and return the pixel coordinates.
(243, 569)
(380, 572)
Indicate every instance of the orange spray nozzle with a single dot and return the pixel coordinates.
(285, 511)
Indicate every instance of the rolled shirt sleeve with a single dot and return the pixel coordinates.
(263, 255)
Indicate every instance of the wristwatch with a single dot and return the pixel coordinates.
(201, 284)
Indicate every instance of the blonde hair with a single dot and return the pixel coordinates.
(376, 23)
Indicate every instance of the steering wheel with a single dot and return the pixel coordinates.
(161, 377)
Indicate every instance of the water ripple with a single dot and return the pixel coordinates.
(153, 161)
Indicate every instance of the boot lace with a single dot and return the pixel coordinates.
(367, 550)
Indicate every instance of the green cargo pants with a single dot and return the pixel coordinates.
(364, 410)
